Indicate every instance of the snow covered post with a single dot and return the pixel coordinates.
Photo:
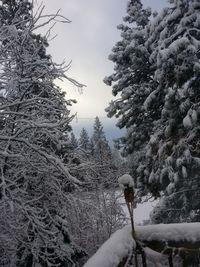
(127, 185)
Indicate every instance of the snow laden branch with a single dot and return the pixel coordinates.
(156, 87)
(36, 172)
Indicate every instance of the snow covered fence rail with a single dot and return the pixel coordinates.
(161, 243)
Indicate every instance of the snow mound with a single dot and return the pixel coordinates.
(117, 247)
(126, 181)
(120, 244)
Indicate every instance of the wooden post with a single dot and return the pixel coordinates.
(129, 198)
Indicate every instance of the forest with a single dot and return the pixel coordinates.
(68, 200)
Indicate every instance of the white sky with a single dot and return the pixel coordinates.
(88, 41)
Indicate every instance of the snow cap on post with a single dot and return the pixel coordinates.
(127, 184)
(126, 181)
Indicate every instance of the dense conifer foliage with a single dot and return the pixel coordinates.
(156, 81)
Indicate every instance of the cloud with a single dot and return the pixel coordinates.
(88, 41)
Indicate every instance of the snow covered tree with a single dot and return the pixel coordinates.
(119, 162)
(131, 81)
(95, 211)
(84, 141)
(73, 141)
(34, 117)
(173, 152)
(160, 58)
(101, 147)
(94, 216)
(102, 156)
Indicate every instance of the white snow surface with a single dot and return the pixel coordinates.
(119, 245)
(113, 250)
(174, 232)
(125, 181)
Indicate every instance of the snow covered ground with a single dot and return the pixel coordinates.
(142, 211)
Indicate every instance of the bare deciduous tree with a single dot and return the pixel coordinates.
(33, 116)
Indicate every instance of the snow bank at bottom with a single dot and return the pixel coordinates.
(120, 244)
(113, 250)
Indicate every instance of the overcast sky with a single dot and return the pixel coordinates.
(88, 41)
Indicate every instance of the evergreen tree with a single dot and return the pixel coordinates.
(101, 148)
(73, 141)
(162, 115)
(132, 81)
(84, 140)
(104, 169)
(34, 118)
(173, 152)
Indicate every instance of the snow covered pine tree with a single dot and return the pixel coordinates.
(173, 151)
(102, 155)
(84, 141)
(131, 78)
(157, 73)
(100, 144)
(132, 83)
(73, 141)
(33, 117)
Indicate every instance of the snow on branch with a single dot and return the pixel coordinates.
(58, 164)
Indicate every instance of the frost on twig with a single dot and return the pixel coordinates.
(35, 173)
